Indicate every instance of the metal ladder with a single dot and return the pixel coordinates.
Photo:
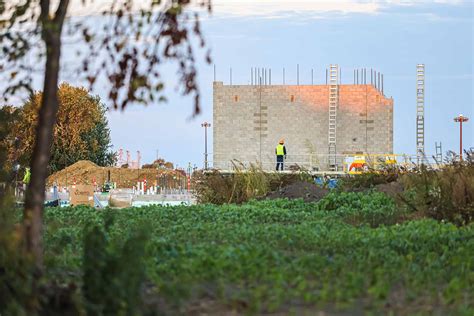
(333, 105)
(439, 152)
(420, 113)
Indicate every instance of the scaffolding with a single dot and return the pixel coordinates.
(420, 113)
(333, 105)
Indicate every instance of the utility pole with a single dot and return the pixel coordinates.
(460, 119)
(205, 125)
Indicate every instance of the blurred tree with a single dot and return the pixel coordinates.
(80, 132)
(8, 141)
(159, 163)
(168, 165)
(126, 46)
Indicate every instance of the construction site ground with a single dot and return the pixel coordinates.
(87, 172)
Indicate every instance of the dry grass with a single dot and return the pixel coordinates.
(443, 194)
(243, 185)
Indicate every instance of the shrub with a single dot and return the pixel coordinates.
(112, 279)
(369, 179)
(16, 268)
(443, 194)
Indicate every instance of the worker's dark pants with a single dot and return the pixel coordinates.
(279, 162)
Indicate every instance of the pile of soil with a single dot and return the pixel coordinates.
(87, 172)
(392, 189)
(309, 192)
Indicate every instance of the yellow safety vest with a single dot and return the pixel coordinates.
(279, 150)
(27, 176)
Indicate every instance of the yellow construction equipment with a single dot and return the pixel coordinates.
(360, 163)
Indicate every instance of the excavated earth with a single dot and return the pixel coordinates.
(309, 192)
(87, 172)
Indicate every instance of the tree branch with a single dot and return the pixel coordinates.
(61, 11)
(44, 15)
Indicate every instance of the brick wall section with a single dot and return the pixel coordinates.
(249, 121)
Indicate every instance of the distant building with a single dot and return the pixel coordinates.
(250, 119)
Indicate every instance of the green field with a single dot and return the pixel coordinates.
(345, 255)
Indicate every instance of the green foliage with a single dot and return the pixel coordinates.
(16, 268)
(98, 141)
(375, 208)
(267, 256)
(111, 278)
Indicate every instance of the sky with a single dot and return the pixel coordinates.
(390, 36)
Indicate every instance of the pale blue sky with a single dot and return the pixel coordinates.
(391, 36)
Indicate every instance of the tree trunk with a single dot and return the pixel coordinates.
(33, 212)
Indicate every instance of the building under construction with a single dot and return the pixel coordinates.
(321, 124)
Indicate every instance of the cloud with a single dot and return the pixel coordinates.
(317, 9)
(281, 8)
(265, 8)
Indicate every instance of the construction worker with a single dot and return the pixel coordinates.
(280, 152)
(26, 178)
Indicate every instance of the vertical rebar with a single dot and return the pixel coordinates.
(283, 75)
(214, 72)
(326, 76)
(378, 81)
(375, 79)
(371, 77)
(312, 77)
(357, 80)
(354, 77)
(382, 83)
(297, 74)
(251, 76)
(270, 76)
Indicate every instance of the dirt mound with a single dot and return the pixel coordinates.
(87, 172)
(392, 189)
(309, 192)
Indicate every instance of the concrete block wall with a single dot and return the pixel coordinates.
(249, 120)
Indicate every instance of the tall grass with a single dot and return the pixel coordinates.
(446, 193)
(241, 186)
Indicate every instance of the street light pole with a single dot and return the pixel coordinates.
(205, 125)
(460, 119)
